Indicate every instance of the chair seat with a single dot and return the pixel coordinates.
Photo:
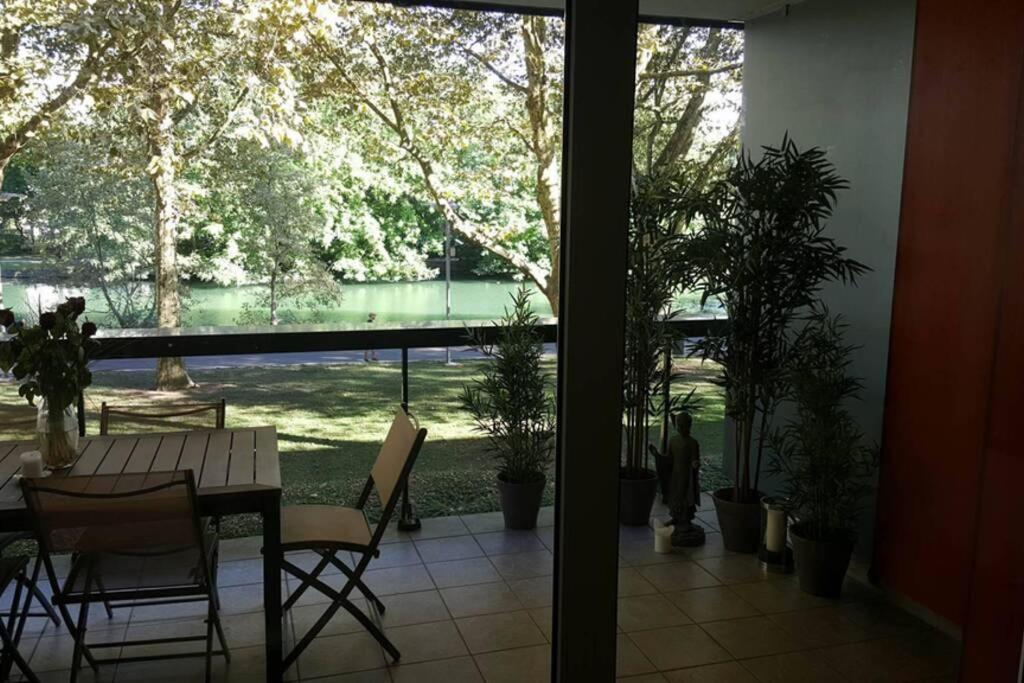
(313, 526)
(134, 573)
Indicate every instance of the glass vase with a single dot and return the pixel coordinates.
(58, 436)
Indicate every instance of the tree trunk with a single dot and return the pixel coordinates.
(274, 320)
(170, 372)
(545, 146)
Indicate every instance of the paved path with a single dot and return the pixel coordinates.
(436, 354)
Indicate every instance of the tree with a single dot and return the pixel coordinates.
(51, 52)
(204, 68)
(90, 211)
(277, 227)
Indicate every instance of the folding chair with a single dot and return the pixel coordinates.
(12, 570)
(135, 539)
(327, 529)
(17, 615)
(180, 415)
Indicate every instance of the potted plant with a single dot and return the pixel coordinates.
(512, 403)
(660, 207)
(50, 359)
(820, 455)
(761, 250)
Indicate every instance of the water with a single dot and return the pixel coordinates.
(208, 304)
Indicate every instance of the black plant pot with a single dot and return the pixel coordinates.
(740, 521)
(520, 503)
(821, 565)
(664, 465)
(636, 496)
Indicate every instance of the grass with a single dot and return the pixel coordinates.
(331, 419)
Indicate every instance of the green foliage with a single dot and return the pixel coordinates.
(512, 403)
(761, 249)
(661, 206)
(820, 453)
(50, 359)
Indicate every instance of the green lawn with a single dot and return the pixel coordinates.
(330, 421)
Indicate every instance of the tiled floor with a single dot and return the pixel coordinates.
(468, 601)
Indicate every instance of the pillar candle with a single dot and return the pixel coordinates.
(663, 539)
(32, 464)
(775, 531)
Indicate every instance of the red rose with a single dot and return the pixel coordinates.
(88, 329)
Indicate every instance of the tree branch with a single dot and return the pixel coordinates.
(690, 72)
(215, 134)
(512, 83)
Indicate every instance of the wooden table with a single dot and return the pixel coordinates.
(237, 471)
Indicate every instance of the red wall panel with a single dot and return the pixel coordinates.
(951, 300)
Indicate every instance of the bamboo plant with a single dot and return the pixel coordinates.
(762, 251)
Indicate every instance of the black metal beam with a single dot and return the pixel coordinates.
(600, 64)
(226, 341)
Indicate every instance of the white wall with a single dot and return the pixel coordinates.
(836, 74)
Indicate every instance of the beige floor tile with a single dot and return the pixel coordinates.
(423, 642)
(487, 598)
(629, 660)
(447, 549)
(501, 631)
(677, 576)
(536, 592)
(509, 541)
(463, 572)
(401, 554)
(531, 664)
(398, 580)
(752, 637)
(883, 620)
(793, 667)
(304, 616)
(340, 654)
(677, 647)
(648, 611)
(712, 604)
(713, 547)
(524, 565)
(413, 608)
(643, 678)
(735, 568)
(439, 527)
(53, 653)
(374, 676)
(542, 616)
(483, 522)
(778, 595)
(639, 553)
(455, 670)
(631, 583)
(726, 672)
(822, 626)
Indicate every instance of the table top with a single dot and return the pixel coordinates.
(226, 462)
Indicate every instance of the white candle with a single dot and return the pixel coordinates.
(32, 464)
(775, 531)
(663, 539)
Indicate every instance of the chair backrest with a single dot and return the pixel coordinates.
(395, 460)
(137, 514)
(17, 418)
(165, 415)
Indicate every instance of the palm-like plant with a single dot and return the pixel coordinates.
(512, 403)
(761, 250)
(820, 452)
(659, 213)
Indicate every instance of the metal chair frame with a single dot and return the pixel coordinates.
(17, 616)
(205, 588)
(160, 415)
(10, 634)
(328, 553)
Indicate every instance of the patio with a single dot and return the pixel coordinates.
(468, 601)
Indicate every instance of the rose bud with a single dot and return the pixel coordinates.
(77, 305)
(6, 317)
(88, 329)
(47, 320)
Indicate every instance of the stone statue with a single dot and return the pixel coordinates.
(685, 490)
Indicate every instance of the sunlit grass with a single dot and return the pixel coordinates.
(331, 419)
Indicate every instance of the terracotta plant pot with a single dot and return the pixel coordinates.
(821, 565)
(520, 503)
(740, 522)
(636, 497)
